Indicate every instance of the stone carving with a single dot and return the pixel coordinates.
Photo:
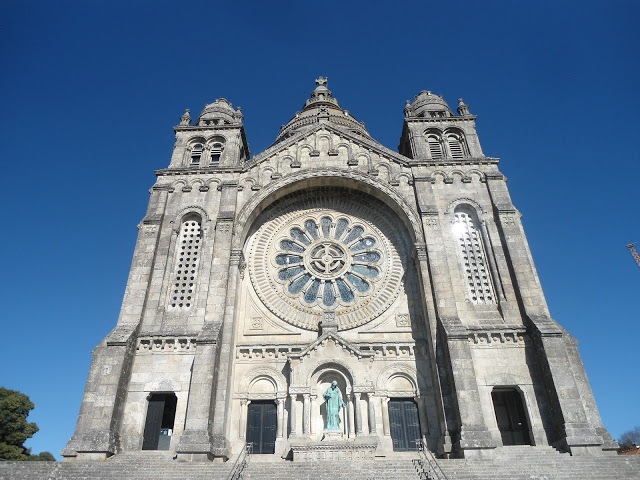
(326, 257)
(333, 402)
(402, 320)
(257, 323)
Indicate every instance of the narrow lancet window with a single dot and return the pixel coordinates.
(472, 255)
(188, 253)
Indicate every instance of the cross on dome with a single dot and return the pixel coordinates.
(321, 81)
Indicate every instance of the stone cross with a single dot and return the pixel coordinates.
(321, 81)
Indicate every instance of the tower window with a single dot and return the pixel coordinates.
(455, 146)
(183, 288)
(216, 152)
(196, 154)
(435, 147)
(473, 257)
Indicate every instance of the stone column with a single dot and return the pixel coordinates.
(280, 426)
(292, 416)
(358, 413)
(385, 416)
(352, 428)
(305, 414)
(372, 414)
(243, 418)
(312, 414)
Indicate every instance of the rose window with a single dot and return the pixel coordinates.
(327, 263)
(309, 260)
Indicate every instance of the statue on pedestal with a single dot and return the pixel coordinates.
(333, 402)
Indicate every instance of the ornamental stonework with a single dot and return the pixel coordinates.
(318, 258)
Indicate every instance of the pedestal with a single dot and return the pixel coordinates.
(333, 450)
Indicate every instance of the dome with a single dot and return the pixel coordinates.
(426, 102)
(220, 112)
(321, 107)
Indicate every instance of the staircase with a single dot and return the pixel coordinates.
(510, 463)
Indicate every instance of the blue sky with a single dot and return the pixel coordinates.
(91, 89)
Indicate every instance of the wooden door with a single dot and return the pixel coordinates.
(405, 424)
(262, 418)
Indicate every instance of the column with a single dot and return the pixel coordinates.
(372, 415)
(292, 416)
(305, 414)
(280, 426)
(385, 416)
(242, 428)
(352, 428)
(358, 413)
(312, 414)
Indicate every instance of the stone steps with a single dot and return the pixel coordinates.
(508, 465)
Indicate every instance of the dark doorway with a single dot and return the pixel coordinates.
(262, 419)
(511, 417)
(405, 425)
(158, 428)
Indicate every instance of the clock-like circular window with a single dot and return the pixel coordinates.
(310, 260)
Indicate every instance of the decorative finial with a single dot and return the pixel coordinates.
(321, 81)
(463, 108)
(185, 119)
(407, 109)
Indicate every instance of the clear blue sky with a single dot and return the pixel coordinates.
(91, 89)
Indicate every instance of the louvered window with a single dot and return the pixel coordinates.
(435, 148)
(455, 147)
(188, 254)
(473, 258)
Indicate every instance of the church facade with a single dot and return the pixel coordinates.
(402, 279)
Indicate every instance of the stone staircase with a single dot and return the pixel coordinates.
(512, 463)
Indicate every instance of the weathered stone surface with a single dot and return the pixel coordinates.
(404, 276)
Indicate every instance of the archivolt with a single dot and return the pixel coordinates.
(318, 177)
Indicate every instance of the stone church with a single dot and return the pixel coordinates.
(404, 277)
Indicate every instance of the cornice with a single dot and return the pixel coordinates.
(449, 162)
(198, 171)
(439, 119)
(204, 128)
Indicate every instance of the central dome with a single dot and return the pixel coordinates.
(321, 107)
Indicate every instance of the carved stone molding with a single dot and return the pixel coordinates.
(166, 345)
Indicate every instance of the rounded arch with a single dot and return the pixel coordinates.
(256, 379)
(216, 138)
(190, 210)
(352, 179)
(470, 203)
(396, 378)
(335, 366)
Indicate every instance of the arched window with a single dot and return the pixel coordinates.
(472, 255)
(196, 154)
(456, 145)
(216, 152)
(435, 147)
(188, 253)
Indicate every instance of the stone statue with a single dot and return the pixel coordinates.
(333, 402)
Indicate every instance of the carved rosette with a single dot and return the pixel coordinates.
(312, 259)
